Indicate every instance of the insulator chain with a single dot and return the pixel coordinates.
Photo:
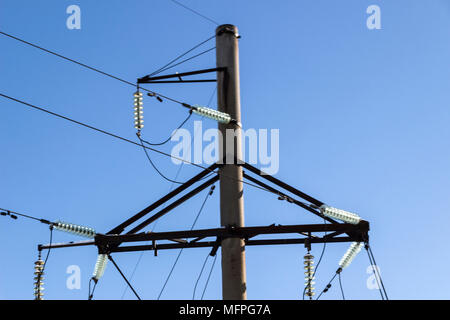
(309, 275)
(138, 111)
(38, 279)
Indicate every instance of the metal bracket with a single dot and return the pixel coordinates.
(149, 79)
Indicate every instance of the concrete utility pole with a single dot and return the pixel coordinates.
(231, 189)
(233, 232)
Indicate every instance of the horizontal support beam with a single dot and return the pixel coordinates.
(206, 244)
(146, 79)
(244, 232)
(183, 81)
(66, 245)
(357, 232)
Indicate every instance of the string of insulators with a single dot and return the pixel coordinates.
(309, 275)
(138, 110)
(212, 114)
(351, 253)
(100, 266)
(339, 214)
(82, 231)
(38, 279)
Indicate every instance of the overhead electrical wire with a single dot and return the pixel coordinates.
(379, 275)
(166, 66)
(346, 260)
(170, 189)
(173, 133)
(153, 165)
(376, 273)
(135, 143)
(188, 59)
(209, 277)
(48, 251)
(328, 286)
(91, 294)
(98, 130)
(153, 228)
(123, 276)
(340, 285)
(199, 276)
(79, 230)
(195, 12)
(208, 195)
(89, 67)
(8, 212)
(119, 79)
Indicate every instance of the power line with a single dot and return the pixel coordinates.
(199, 276)
(210, 192)
(376, 273)
(123, 276)
(328, 286)
(88, 67)
(137, 144)
(171, 186)
(170, 137)
(91, 294)
(8, 212)
(188, 59)
(166, 66)
(153, 228)
(211, 97)
(48, 251)
(340, 285)
(153, 165)
(196, 12)
(375, 263)
(209, 276)
(99, 130)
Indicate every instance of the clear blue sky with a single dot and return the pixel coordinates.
(363, 118)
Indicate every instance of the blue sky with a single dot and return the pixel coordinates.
(363, 118)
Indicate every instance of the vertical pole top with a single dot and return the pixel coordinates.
(227, 28)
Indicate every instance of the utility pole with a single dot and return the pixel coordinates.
(230, 167)
(231, 188)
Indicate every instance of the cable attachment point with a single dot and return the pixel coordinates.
(155, 248)
(154, 95)
(8, 213)
(288, 199)
(211, 191)
(327, 288)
